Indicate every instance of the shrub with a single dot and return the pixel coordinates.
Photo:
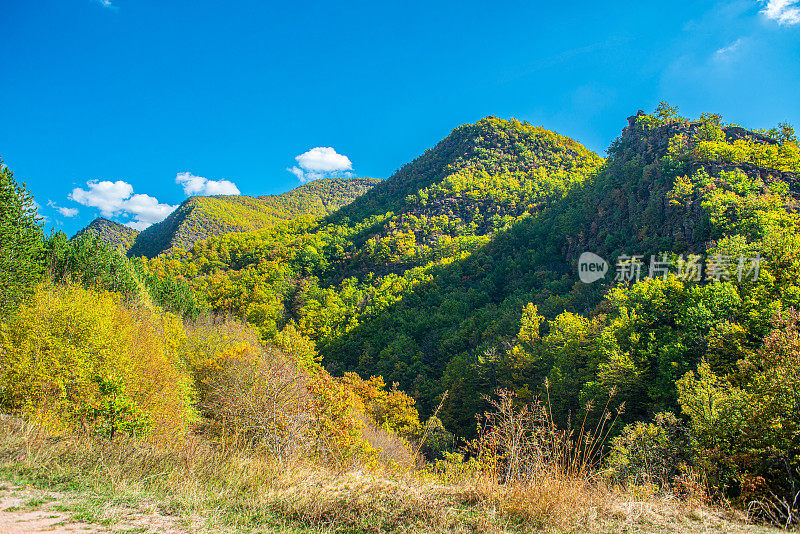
(271, 401)
(70, 352)
(650, 453)
(747, 425)
(115, 412)
(258, 395)
(519, 443)
(390, 408)
(436, 441)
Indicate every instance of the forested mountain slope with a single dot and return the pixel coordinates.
(198, 218)
(491, 220)
(112, 233)
(345, 281)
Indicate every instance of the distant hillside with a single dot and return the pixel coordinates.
(198, 218)
(112, 233)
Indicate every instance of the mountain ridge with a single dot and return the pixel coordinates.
(201, 217)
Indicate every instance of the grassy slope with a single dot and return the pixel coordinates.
(193, 487)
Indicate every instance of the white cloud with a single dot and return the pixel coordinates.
(727, 52)
(197, 185)
(147, 210)
(117, 198)
(297, 171)
(108, 197)
(319, 162)
(784, 12)
(323, 159)
(66, 212)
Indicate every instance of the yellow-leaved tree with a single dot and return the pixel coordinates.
(74, 357)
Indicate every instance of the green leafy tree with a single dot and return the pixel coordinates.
(711, 127)
(746, 425)
(667, 113)
(115, 412)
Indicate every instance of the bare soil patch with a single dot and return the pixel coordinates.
(29, 511)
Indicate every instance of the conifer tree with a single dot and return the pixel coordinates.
(20, 242)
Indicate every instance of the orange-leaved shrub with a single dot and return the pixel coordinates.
(390, 408)
(285, 405)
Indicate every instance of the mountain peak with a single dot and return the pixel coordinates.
(114, 234)
(198, 217)
(490, 145)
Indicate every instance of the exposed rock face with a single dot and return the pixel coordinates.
(653, 144)
(734, 133)
(636, 196)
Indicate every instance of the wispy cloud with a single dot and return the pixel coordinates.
(67, 212)
(107, 3)
(64, 211)
(197, 185)
(726, 53)
(784, 12)
(319, 162)
(117, 198)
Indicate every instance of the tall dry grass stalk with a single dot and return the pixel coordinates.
(515, 444)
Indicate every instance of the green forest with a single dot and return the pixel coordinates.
(392, 314)
(198, 218)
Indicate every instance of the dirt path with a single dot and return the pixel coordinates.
(30, 511)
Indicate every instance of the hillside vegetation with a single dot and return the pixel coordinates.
(504, 395)
(112, 233)
(198, 218)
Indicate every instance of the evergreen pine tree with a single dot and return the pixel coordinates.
(20, 242)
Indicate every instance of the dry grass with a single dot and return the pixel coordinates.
(241, 490)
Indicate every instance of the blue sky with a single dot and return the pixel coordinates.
(125, 107)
